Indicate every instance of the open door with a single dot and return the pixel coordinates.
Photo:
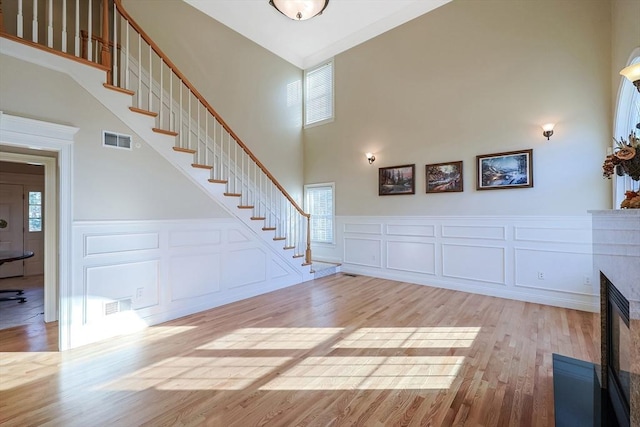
(11, 227)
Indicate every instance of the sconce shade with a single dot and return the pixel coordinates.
(632, 73)
(548, 130)
(300, 10)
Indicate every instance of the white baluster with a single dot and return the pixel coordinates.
(63, 37)
(90, 37)
(181, 112)
(172, 125)
(189, 119)
(235, 167)
(139, 71)
(198, 150)
(161, 97)
(34, 23)
(150, 78)
(115, 46)
(127, 51)
(19, 20)
(206, 138)
(77, 30)
(50, 25)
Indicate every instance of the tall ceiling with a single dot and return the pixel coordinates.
(344, 24)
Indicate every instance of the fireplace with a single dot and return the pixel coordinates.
(616, 255)
(617, 351)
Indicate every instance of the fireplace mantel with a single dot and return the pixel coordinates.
(616, 253)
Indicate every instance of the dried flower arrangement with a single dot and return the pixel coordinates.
(625, 160)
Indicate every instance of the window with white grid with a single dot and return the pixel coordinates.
(318, 95)
(319, 202)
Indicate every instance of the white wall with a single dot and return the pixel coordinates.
(491, 255)
(108, 183)
(165, 270)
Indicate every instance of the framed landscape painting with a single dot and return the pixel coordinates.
(396, 180)
(444, 177)
(513, 169)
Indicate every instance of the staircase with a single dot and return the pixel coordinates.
(124, 69)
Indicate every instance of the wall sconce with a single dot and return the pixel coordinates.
(632, 73)
(548, 130)
(370, 157)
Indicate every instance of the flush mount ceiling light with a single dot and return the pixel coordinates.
(299, 10)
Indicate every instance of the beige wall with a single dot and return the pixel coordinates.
(108, 184)
(474, 77)
(246, 84)
(625, 37)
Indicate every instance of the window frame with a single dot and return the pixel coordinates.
(627, 115)
(306, 125)
(331, 185)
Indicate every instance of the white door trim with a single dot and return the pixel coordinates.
(39, 135)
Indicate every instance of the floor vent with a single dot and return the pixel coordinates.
(114, 307)
(349, 275)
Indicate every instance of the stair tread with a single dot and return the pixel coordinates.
(298, 256)
(218, 181)
(279, 238)
(165, 132)
(145, 112)
(268, 228)
(245, 207)
(258, 218)
(304, 264)
(184, 150)
(233, 194)
(199, 166)
(286, 248)
(119, 89)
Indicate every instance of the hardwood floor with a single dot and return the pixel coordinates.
(335, 351)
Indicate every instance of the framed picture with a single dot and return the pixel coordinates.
(444, 177)
(396, 180)
(505, 170)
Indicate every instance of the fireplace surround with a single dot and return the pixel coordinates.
(617, 351)
(616, 259)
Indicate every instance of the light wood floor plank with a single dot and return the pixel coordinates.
(337, 351)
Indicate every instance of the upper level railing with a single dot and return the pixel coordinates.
(102, 32)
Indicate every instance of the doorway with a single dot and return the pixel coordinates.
(30, 141)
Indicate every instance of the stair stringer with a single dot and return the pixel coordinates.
(92, 80)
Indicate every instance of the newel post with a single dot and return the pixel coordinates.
(307, 253)
(106, 56)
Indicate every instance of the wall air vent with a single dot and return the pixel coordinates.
(114, 307)
(116, 140)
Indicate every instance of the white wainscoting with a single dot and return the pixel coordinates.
(131, 274)
(546, 260)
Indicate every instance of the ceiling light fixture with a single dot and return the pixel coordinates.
(300, 10)
(632, 73)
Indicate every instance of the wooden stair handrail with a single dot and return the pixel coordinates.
(203, 101)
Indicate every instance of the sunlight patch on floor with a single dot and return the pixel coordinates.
(419, 337)
(20, 368)
(199, 373)
(272, 339)
(369, 373)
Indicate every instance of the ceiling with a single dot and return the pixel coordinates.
(343, 25)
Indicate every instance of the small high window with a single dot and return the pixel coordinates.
(318, 95)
